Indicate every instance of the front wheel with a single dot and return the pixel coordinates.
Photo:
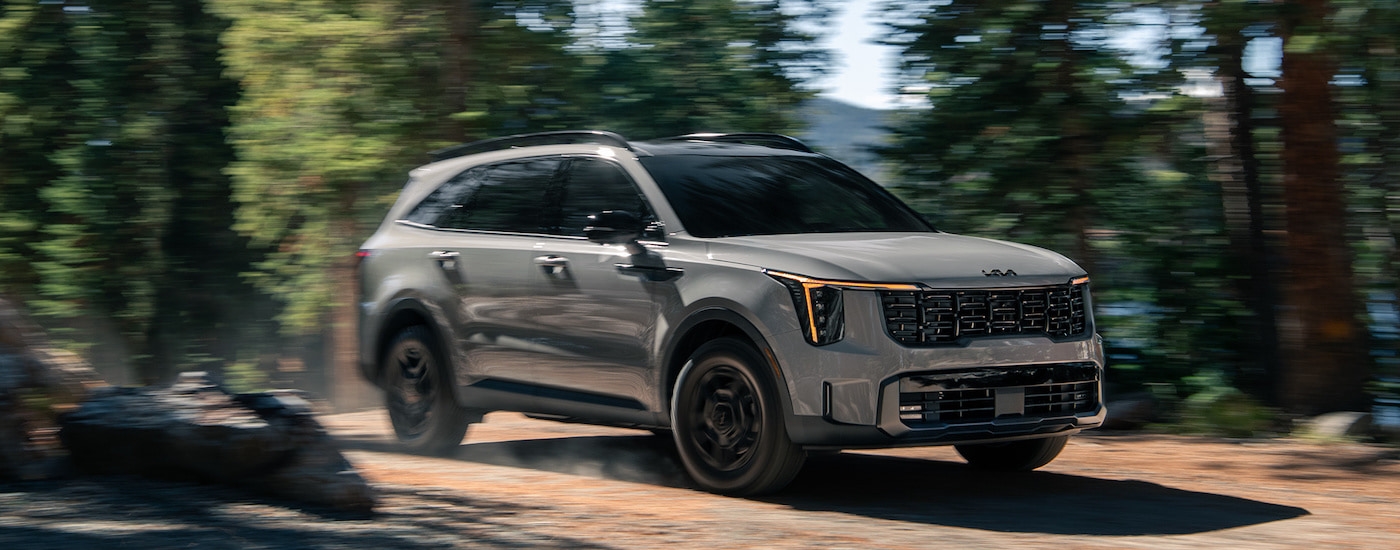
(418, 394)
(728, 422)
(1013, 456)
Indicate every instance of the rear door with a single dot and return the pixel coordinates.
(482, 226)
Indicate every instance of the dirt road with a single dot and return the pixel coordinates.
(522, 482)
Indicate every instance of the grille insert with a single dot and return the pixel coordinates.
(981, 395)
(935, 317)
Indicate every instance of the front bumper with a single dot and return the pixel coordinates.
(862, 391)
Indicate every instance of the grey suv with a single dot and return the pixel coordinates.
(752, 298)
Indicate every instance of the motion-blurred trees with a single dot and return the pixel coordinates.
(1040, 131)
(115, 209)
(1167, 176)
(1325, 360)
(172, 171)
(340, 99)
(710, 66)
(159, 208)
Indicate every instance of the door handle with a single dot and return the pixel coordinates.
(447, 260)
(556, 266)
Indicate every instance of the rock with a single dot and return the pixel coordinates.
(317, 471)
(37, 383)
(1130, 411)
(195, 430)
(1336, 425)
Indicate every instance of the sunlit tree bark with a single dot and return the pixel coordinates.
(1325, 362)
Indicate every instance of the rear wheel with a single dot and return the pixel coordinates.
(728, 422)
(418, 394)
(1013, 456)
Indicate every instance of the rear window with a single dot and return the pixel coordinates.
(718, 196)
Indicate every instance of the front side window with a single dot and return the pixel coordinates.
(732, 196)
(594, 185)
(509, 197)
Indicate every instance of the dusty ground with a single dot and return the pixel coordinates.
(521, 482)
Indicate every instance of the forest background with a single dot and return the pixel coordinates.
(183, 183)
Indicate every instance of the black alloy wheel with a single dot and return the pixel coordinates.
(425, 417)
(726, 420)
(728, 424)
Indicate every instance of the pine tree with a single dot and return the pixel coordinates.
(712, 66)
(113, 157)
(340, 99)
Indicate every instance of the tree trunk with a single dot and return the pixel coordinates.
(1230, 128)
(462, 21)
(1325, 364)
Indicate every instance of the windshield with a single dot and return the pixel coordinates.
(731, 196)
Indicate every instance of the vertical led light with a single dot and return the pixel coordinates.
(820, 305)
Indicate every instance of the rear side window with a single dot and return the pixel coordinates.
(509, 197)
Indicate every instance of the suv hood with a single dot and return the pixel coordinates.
(939, 260)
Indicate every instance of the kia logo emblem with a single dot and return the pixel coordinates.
(999, 273)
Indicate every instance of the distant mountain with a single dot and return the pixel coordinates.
(844, 132)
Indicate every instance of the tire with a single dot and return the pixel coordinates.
(1013, 456)
(727, 422)
(418, 394)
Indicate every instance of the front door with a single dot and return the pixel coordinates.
(600, 314)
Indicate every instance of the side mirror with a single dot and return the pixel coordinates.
(615, 227)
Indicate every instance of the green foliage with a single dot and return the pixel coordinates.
(1031, 136)
(1216, 408)
(175, 173)
(340, 98)
(1028, 131)
(38, 67)
(245, 377)
(1369, 104)
(115, 218)
(710, 66)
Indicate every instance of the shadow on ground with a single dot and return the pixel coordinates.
(903, 489)
(952, 494)
(128, 512)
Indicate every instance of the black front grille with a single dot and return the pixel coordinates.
(960, 397)
(933, 317)
(1051, 399)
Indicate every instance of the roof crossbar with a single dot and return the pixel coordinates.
(528, 140)
(776, 141)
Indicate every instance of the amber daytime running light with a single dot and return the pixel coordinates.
(819, 306)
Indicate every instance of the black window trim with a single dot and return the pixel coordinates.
(636, 187)
(563, 167)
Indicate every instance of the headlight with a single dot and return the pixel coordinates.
(820, 309)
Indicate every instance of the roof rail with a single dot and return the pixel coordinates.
(776, 141)
(528, 140)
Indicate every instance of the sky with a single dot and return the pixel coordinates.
(862, 70)
(861, 74)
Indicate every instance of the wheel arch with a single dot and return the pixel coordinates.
(707, 324)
